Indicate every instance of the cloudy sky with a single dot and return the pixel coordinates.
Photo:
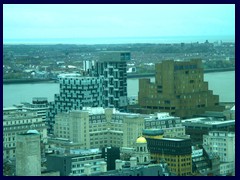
(75, 21)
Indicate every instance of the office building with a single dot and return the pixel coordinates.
(171, 125)
(179, 89)
(222, 143)
(197, 127)
(112, 66)
(77, 162)
(15, 122)
(39, 105)
(175, 151)
(99, 127)
(28, 155)
(75, 93)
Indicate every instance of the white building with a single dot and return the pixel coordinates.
(222, 143)
(15, 122)
(98, 127)
(172, 126)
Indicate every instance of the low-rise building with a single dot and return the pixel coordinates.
(197, 127)
(222, 143)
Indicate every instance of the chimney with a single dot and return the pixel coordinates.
(103, 166)
(118, 163)
(87, 169)
(133, 162)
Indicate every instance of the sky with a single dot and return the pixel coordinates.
(26, 21)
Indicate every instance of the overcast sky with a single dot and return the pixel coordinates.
(76, 21)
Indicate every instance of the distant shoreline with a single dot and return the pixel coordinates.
(129, 76)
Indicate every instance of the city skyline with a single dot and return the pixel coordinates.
(39, 21)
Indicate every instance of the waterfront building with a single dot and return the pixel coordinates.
(197, 127)
(175, 151)
(222, 143)
(28, 155)
(99, 127)
(15, 122)
(179, 89)
(112, 66)
(75, 93)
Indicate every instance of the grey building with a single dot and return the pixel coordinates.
(112, 66)
(28, 155)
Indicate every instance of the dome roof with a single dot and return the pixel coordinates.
(32, 131)
(141, 140)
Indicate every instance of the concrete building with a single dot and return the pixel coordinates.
(15, 122)
(77, 162)
(112, 66)
(110, 155)
(222, 143)
(197, 127)
(175, 151)
(204, 164)
(171, 125)
(99, 127)
(39, 105)
(28, 155)
(75, 93)
(179, 89)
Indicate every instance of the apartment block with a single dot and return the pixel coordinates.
(112, 66)
(75, 93)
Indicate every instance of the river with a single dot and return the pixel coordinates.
(222, 84)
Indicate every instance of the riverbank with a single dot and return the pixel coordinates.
(23, 81)
(205, 71)
(129, 76)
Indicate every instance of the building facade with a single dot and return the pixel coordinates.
(75, 93)
(76, 163)
(179, 89)
(222, 143)
(39, 105)
(176, 152)
(197, 127)
(112, 66)
(28, 155)
(99, 127)
(171, 125)
(16, 122)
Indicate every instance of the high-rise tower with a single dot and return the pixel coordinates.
(76, 92)
(179, 89)
(112, 66)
